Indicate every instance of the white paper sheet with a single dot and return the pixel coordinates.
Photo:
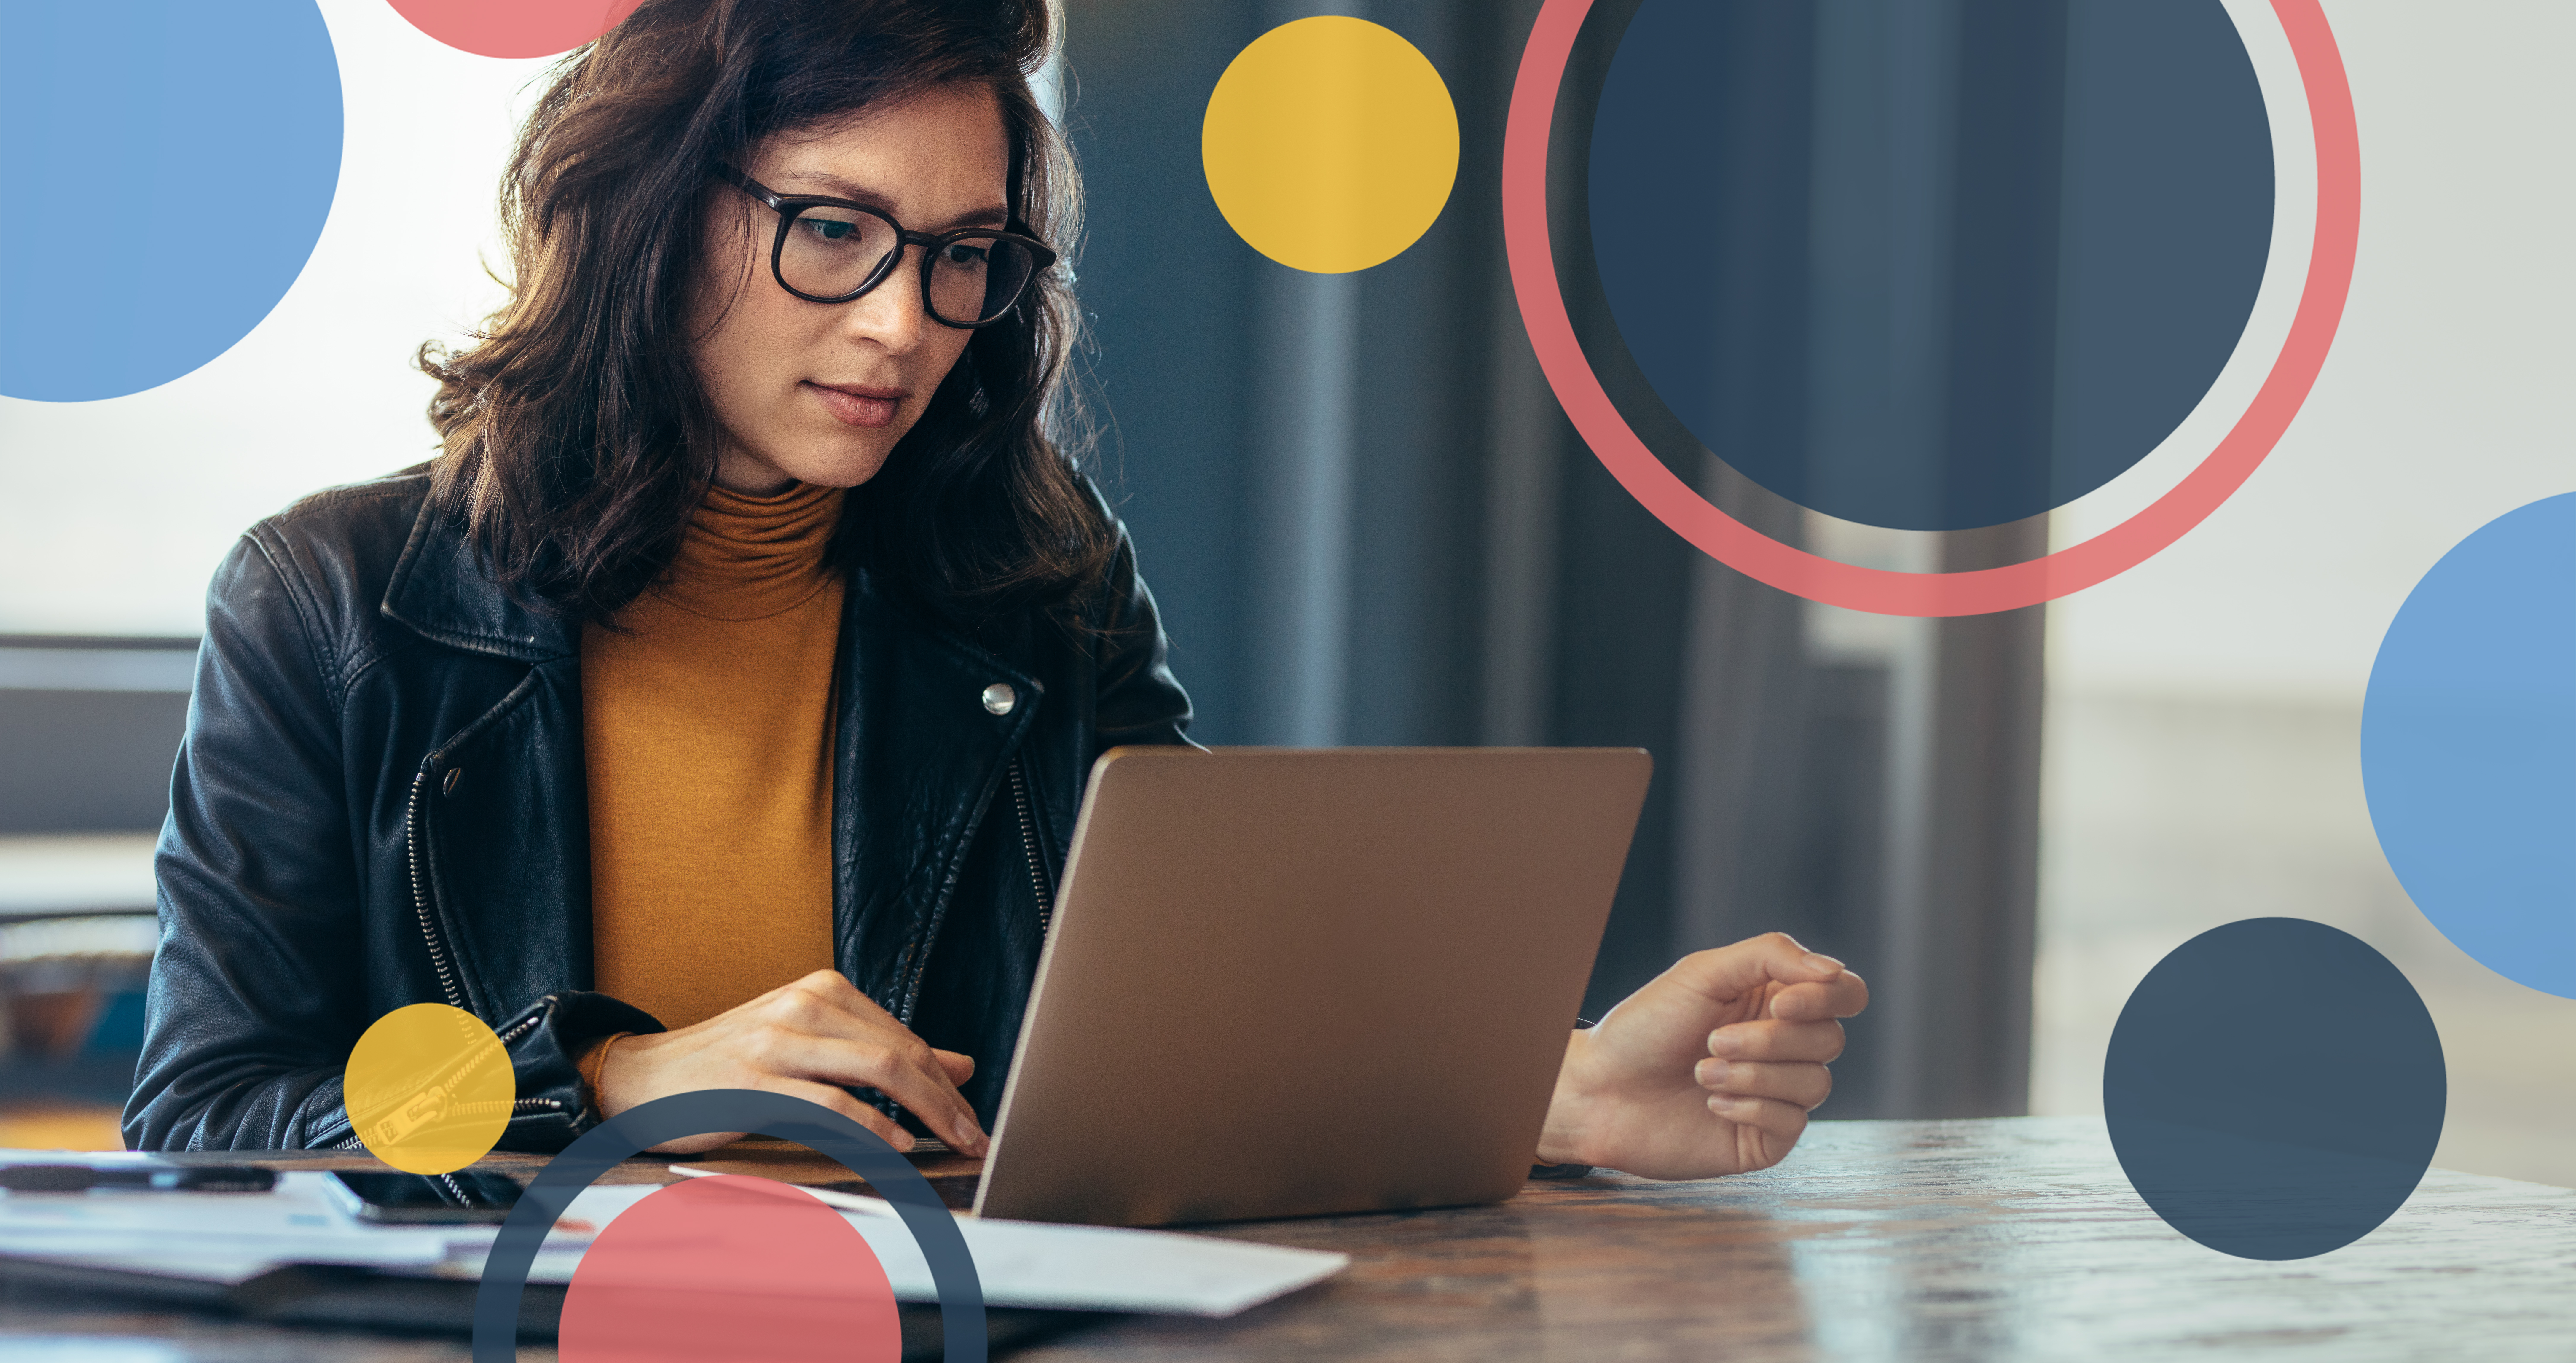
(297, 1222)
(233, 1236)
(227, 1269)
(1026, 1263)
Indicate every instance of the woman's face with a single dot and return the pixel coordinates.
(820, 392)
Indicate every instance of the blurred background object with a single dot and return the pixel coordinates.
(76, 938)
(1368, 523)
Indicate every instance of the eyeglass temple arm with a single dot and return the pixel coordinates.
(746, 184)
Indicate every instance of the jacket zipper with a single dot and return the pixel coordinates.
(447, 987)
(519, 1107)
(420, 888)
(529, 1106)
(522, 1107)
(1037, 883)
(1029, 845)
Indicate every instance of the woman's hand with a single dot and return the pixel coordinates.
(809, 1038)
(1710, 1069)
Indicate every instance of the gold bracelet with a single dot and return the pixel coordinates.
(594, 1068)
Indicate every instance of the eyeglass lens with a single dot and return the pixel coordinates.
(831, 251)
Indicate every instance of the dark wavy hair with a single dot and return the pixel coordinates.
(576, 434)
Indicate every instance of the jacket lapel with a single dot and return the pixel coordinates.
(440, 591)
(918, 758)
(502, 811)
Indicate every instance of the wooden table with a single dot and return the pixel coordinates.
(2012, 1239)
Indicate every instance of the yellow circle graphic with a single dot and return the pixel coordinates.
(429, 1088)
(1330, 144)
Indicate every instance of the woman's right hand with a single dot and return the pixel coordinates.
(810, 1038)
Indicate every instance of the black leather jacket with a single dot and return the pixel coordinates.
(381, 801)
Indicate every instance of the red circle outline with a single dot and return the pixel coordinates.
(1749, 551)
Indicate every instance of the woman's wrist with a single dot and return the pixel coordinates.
(1561, 1139)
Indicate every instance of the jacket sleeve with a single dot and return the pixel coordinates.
(1139, 701)
(257, 994)
(253, 1002)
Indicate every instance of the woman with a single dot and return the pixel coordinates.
(712, 711)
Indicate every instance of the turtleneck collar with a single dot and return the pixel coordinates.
(748, 557)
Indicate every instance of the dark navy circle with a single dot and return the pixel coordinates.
(169, 164)
(1924, 266)
(2274, 1088)
(681, 1115)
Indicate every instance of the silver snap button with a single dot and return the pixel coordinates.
(999, 698)
(455, 778)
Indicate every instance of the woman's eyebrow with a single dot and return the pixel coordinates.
(833, 185)
(995, 216)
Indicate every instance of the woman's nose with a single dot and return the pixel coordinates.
(893, 314)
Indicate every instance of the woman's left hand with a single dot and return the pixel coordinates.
(1710, 1069)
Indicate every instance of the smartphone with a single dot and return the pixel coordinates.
(418, 1199)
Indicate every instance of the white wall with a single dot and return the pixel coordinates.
(112, 513)
(2445, 401)
(2202, 744)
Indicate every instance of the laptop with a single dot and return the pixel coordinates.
(1287, 982)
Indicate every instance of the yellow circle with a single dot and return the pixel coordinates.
(429, 1088)
(1330, 144)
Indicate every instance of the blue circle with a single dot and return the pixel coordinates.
(2468, 745)
(2274, 1088)
(169, 164)
(1925, 266)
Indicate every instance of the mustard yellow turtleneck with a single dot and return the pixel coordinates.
(707, 725)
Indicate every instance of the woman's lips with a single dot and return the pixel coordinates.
(857, 409)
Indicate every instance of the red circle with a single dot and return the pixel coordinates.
(514, 28)
(729, 1266)
(1756, 555)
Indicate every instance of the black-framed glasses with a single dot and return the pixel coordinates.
(833, 250)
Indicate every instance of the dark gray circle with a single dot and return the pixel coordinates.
(810, 1124)
(1923, 266)
(2274, 1088)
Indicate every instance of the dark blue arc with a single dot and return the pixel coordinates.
(682, 1115)
(1929, 264)
(2274, 1088)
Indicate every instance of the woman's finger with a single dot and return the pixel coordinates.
(1843, 996)
(1779, 1124)
(900, 1067)
(841, 1102)
(1724, 974)
(1770, 1039)
(1804, 1084)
